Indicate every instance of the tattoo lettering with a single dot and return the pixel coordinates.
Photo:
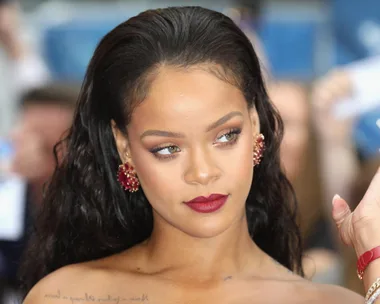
(89, 298)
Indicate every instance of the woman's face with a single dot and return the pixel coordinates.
(192, 136)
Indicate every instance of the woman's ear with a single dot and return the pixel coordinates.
(122, 143)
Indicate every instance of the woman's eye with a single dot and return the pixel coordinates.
(230, 136)
(227, 137)
(165, 152)
(168, 150)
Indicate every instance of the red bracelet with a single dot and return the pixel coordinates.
(366, 258)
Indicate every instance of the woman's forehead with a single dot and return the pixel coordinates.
(177, 91)
(186, 101)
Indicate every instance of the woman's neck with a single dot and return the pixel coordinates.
(229, 253)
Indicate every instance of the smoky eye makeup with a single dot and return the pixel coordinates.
(165, 151)
(225, 138)
(228, 138)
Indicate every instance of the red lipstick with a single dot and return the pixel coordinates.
(208, 204)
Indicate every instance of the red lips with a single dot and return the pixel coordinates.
(208, 204)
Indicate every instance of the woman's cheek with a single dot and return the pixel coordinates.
(158, 178)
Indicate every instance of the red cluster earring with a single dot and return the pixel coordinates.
(258, 150)
(127, 177)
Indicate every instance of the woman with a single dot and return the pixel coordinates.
(175, 96)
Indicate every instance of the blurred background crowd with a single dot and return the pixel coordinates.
(321, 60)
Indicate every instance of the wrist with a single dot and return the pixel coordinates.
(366, 239)
(371, 274)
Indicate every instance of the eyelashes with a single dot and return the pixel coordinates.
(230, 137)
(166, 152)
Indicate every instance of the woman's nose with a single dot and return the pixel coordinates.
(202, 168)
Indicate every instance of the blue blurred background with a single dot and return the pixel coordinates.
(302, 38)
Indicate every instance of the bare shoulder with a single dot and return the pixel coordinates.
(62, 283)
(333, 294)
(80, 283)
(48, 289)
(302, 291)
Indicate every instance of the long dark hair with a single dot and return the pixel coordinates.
(86, 215)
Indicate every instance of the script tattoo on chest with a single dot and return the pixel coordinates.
(90, 298)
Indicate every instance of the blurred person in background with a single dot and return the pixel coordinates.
(299, 153)
(299, 157)
(26, 67)
(347, 90)
(45, 114)
(349, 144)
(339, 98)
(22, 66)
